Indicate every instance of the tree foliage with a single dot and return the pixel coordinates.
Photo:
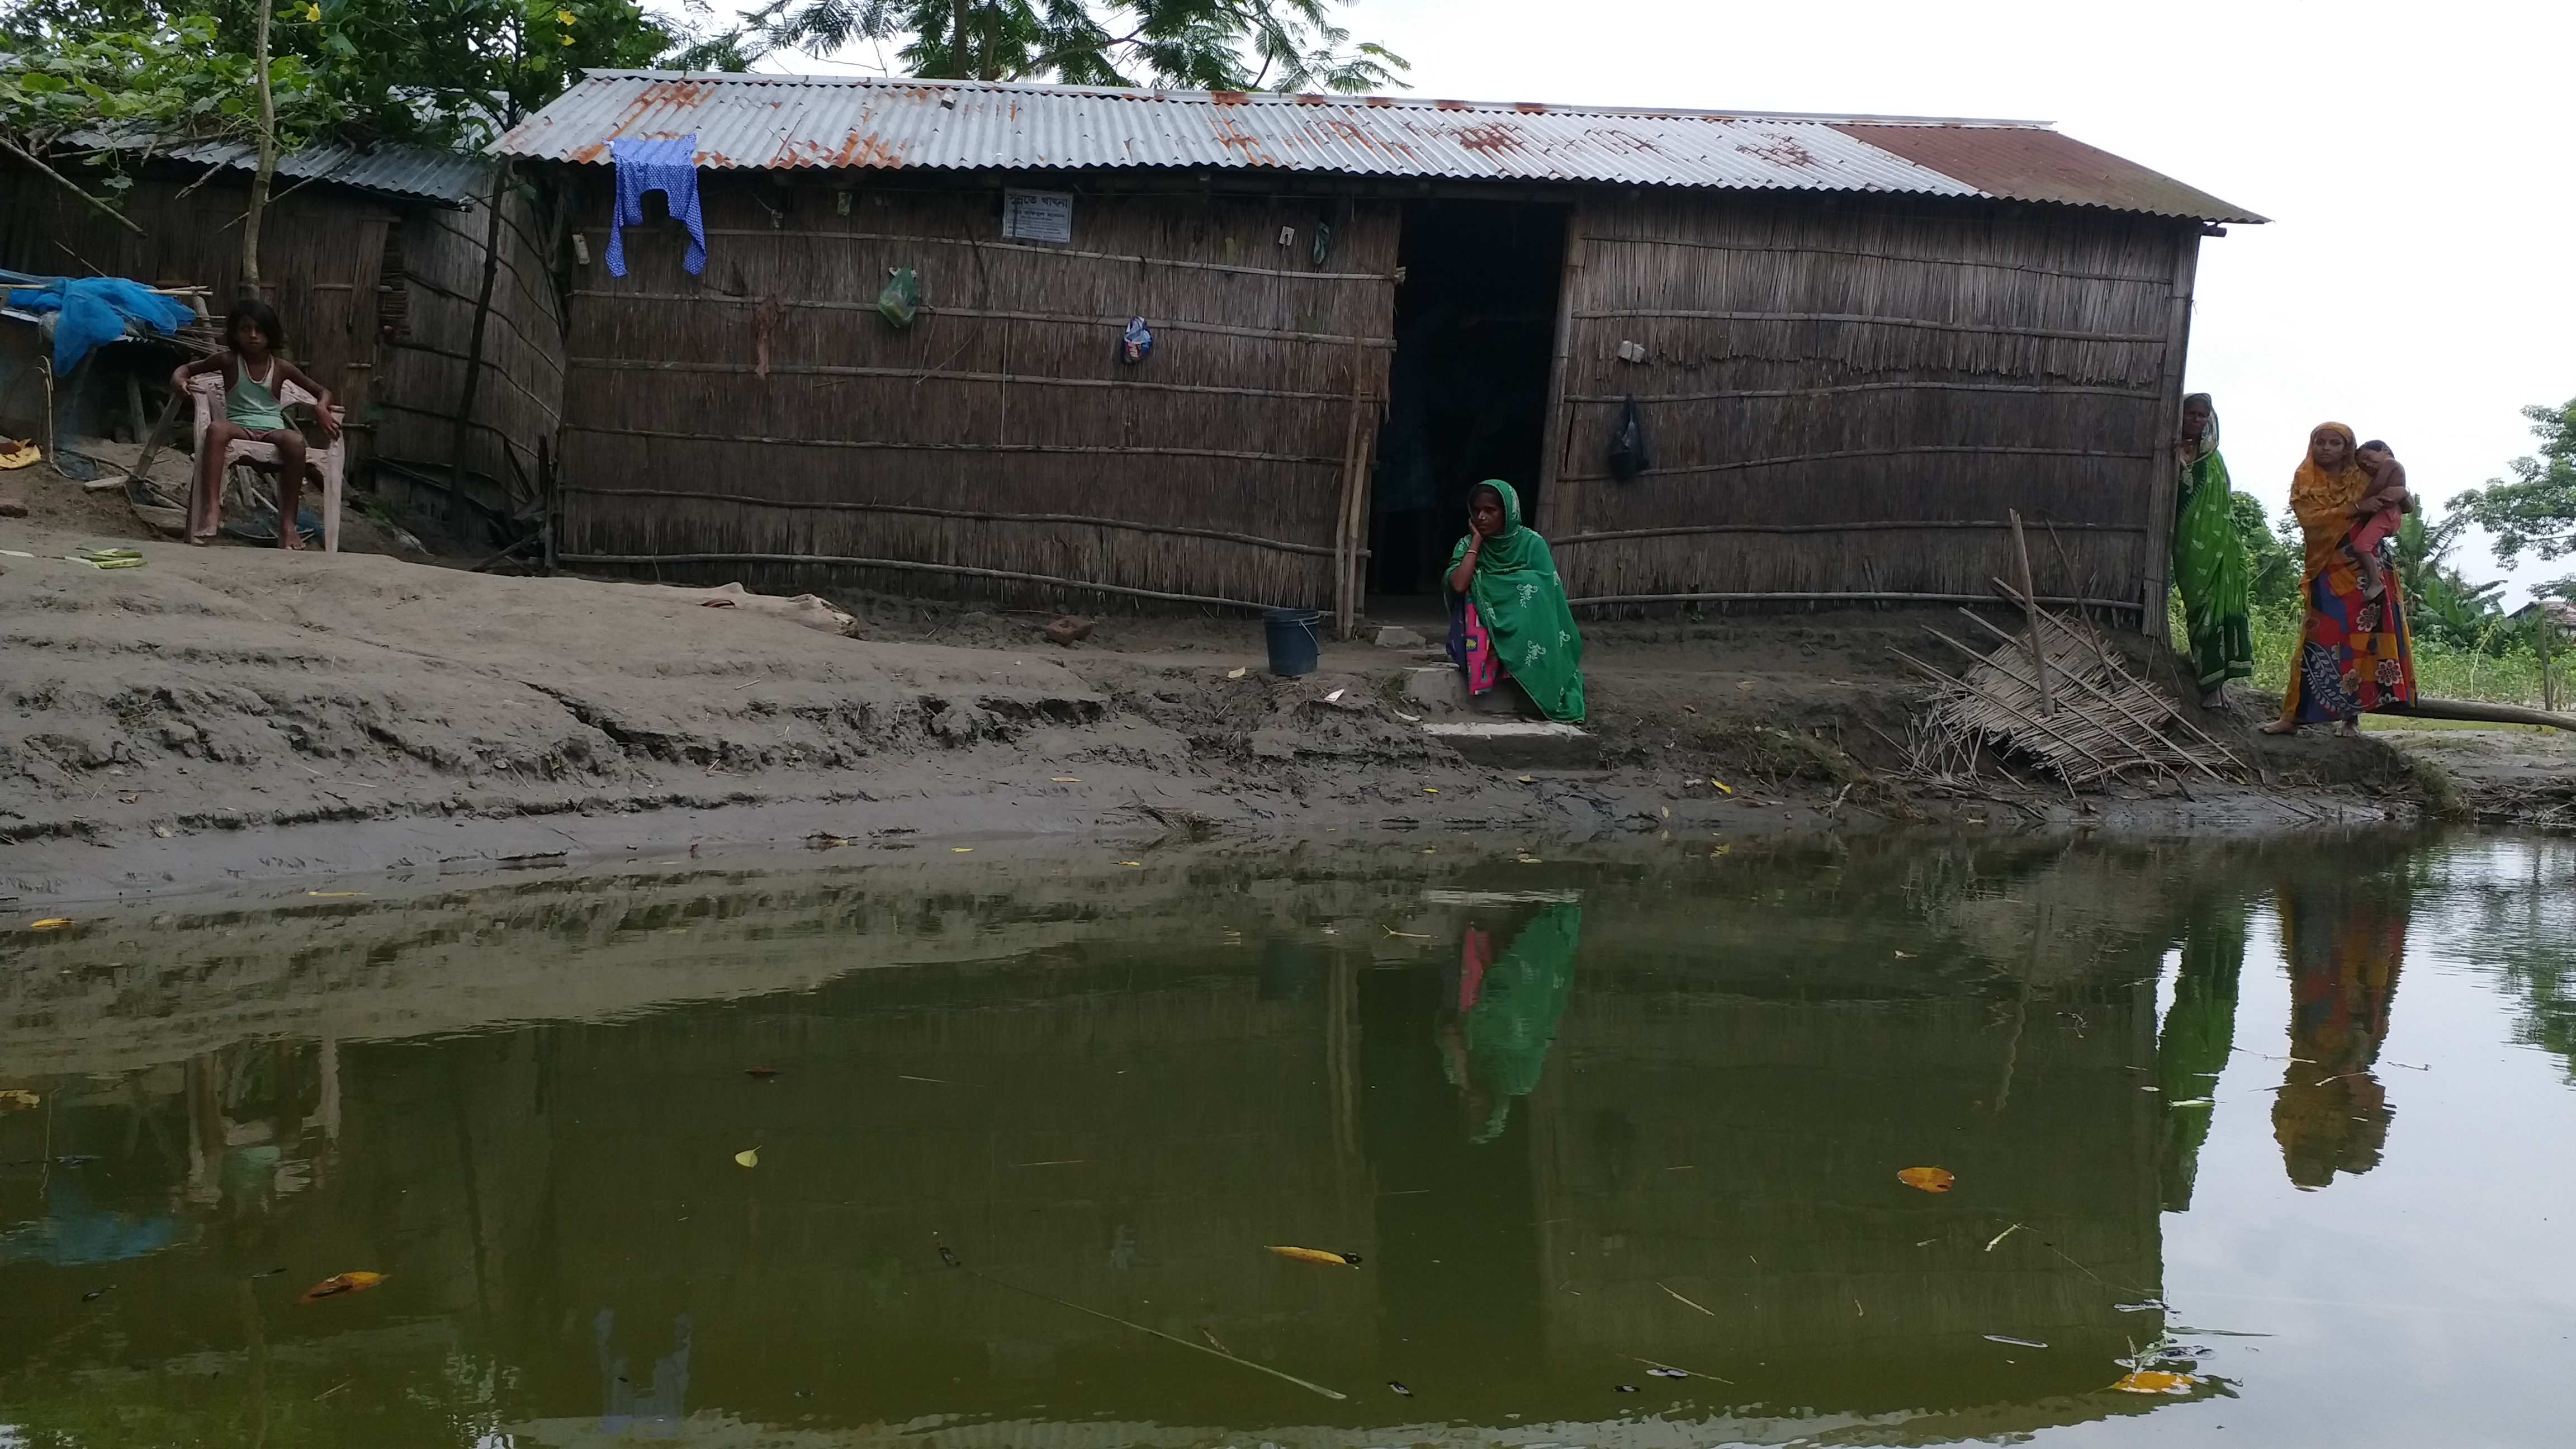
(2271, 563)
(138, 74)
(439, 72)
(1286, 45)
(2536, 509)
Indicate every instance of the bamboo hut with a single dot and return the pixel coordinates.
(376, 259)
(1852, 344)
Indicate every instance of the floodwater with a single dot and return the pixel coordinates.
(989, 1151)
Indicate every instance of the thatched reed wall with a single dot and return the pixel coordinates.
(320, 249)
(761, 421)
(433, 265)
(1845, 396)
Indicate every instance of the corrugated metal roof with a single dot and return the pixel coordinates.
(2023, 163)
(408, 172)
(763, 121)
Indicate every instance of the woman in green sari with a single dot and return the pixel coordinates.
(1507, 611)
(2209, 559)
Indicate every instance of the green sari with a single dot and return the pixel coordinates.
(1519, 1002)
(2209, 568)
(1521, 603)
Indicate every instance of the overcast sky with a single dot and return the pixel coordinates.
(2418, 279)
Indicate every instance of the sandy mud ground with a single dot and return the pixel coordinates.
(232, 714)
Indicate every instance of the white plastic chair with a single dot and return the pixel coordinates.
(207, 392)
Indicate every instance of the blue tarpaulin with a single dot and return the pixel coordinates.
(96, 310)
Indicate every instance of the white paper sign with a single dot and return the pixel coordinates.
(1039, 216)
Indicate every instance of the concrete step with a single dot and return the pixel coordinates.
(1519, 744)
(1443, 688)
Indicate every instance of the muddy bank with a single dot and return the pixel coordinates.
(233, 714)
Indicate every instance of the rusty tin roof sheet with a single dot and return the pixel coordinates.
(761, 122)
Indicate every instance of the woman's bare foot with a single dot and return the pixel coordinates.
(2215, 699)
(2281, 727)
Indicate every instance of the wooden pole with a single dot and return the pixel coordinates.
(2481, 712)
(2030, 606)
(65, 182)
(1345, 605)
(474, 347)
(2540, 639)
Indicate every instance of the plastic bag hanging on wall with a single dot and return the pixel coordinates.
(1628, 457)
(1139, 341)
(900, 301)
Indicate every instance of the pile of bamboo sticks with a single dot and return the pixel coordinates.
(2058, 693)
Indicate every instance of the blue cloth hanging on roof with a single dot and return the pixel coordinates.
(671, 168)
(96, 310)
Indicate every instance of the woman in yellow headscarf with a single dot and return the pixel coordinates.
(2354, 654)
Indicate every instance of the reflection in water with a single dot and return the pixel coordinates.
(2199, 1031)
(2344, 942)
(1682, 1153)
(1497, 1017)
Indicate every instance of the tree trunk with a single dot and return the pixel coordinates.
(251, 219)
(958, 43)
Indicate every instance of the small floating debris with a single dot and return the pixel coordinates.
(50, 923)
(1316, 1255)
(2015, 1342)
(2155, 1381)
(340, 1283)
(1677, 1298)
(1399, 1388)
(1928, 1179)
(748, 1157)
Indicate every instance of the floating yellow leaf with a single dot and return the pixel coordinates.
(961, 850)
(18, 1097)
(1722, 785)
(1131, 862)
(1930, 1179)
(2155, 1381)
(1317, 1255)
(1430, 789)
(339, 1283)
(748, 1157)
(50, 923)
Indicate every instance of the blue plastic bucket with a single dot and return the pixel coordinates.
(1296, 640)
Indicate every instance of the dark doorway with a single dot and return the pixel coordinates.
(1475, 326)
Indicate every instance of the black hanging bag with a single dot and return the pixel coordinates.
(1628, 457)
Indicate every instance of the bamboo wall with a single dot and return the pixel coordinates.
(319, 252)
(761, 421)
(436, 256)
(1845, 396)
